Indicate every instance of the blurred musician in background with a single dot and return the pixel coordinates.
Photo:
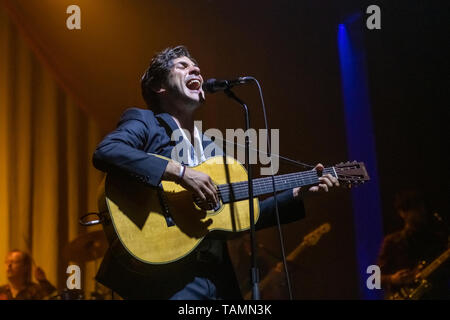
(421, 239)
(20, 286)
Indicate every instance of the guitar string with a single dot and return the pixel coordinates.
(286, 177)
(291, 177)
(240, 188)
(260, 184)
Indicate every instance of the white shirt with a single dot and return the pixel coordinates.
(192, 155)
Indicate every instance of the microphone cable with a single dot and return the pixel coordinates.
(269, 154)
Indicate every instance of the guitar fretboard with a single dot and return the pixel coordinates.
(239, 190)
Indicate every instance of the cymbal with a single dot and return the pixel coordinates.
(87, 247)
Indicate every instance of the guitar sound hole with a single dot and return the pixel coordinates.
(212, 207)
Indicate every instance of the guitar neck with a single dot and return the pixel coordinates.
(239, 190)
(434, 265)
(294, 254)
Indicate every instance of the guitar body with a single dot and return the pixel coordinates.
(411, 292)
(163, 225)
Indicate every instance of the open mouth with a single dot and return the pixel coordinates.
(193, 84)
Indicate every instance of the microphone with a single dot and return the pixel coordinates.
(214, 85)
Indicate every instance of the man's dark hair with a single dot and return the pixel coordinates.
(406, 200)
(157, 73)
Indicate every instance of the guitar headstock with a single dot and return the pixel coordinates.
(351, 173)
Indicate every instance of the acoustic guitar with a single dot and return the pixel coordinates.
(164, 224)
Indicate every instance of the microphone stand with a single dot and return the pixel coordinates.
(254, 272)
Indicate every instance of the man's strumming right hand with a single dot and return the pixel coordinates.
(199, 183)
(402, 277)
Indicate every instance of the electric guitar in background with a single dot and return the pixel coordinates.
(309, 240)
(162, 225)
(421, 285)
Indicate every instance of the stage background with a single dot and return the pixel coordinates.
(62, 90)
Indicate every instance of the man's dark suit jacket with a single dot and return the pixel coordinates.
(125, 151)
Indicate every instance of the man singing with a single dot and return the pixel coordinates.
(172, 89)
